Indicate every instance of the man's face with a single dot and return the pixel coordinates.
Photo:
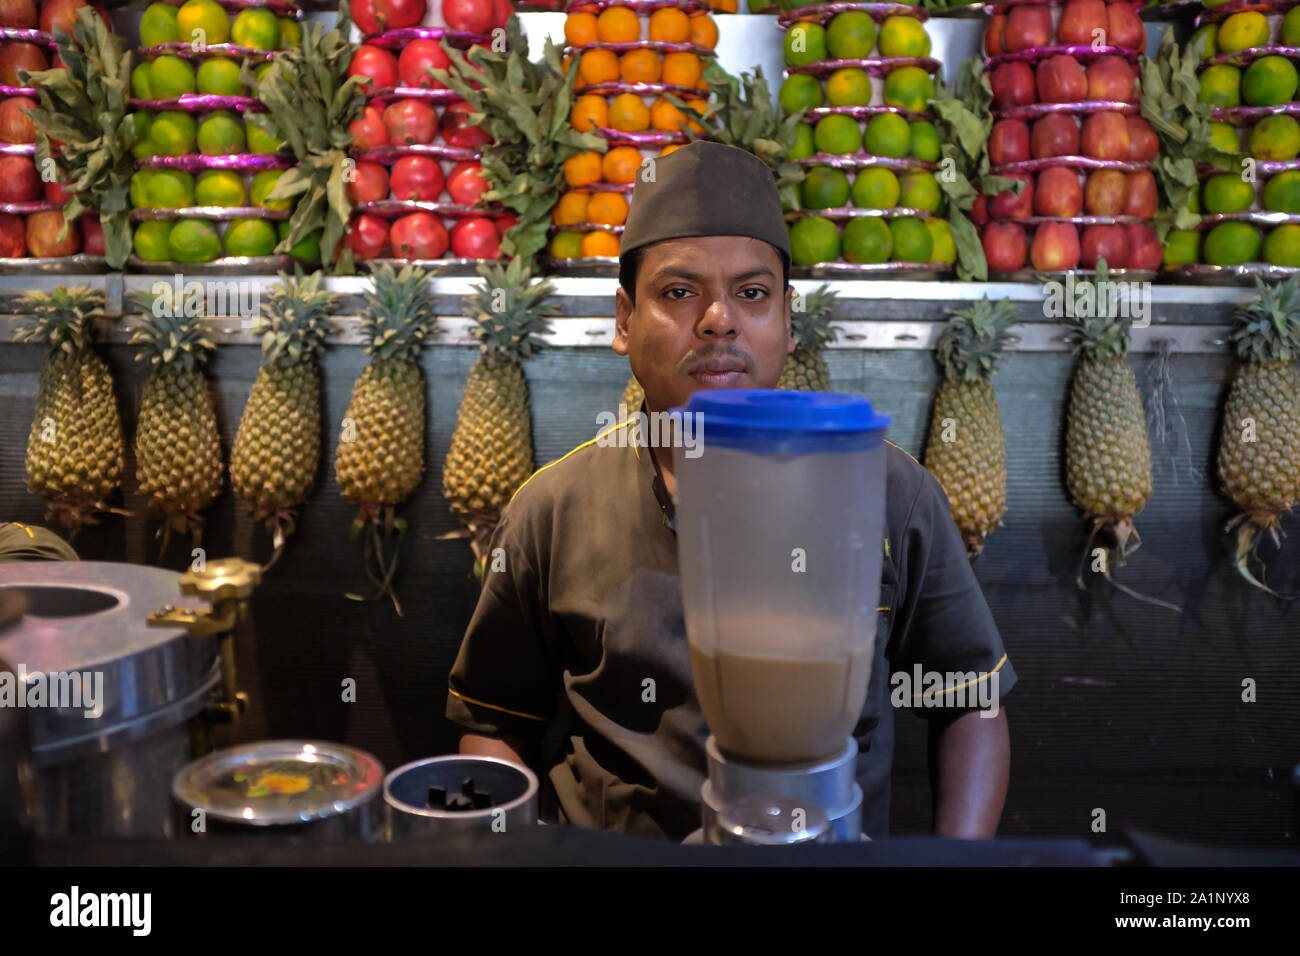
(710, 313)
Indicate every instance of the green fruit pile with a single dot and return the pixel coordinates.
(854, 35)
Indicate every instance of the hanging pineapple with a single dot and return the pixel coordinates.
(966, 448)
(277, 448)
(805, 368)
(380, 458)
(177, 443)
(75, 449)
(1259, 445)
(633, 396)
(491, 452)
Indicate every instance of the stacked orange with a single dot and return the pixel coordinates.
(623, 112)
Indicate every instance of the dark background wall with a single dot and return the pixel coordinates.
(1121, 706)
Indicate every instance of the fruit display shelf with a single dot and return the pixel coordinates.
(1250, 209)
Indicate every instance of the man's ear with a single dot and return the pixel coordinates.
(789, 324)
(622, 320)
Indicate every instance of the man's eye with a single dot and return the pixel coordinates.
(753, 294)
(672, 293)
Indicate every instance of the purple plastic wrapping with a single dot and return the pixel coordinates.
(186, 51)
(864, 113)
(225, 266)
(1243, 57)
(238, 162)
(1223, 11)
(873, 270)
(396, 39)
(1074, 162)
(1254, 217)
(823, 13)
(872, 65)
(586, 227)
(1267, 167)
(625, 188)
(1084, 54)
(646, 140)
(1248, 115)
(387, 155)
(202, 103)
(279, 7)
(391, 208)
(1035, 110)
(216, 213)
(80, 264)
(852, 212)
(435, 96)
(18, 149)
(864, 160)
(639, 7)
(659, 46)
(1031, 221)
(1033, 276)
(641, 89)
(437, 267)
(39, 37)
(1201, 274)
(27, 91)
(23, 208)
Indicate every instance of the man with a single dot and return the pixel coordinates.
(588, 605)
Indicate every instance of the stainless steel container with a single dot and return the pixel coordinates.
(109, 727)
(306, 789)
(459, 793)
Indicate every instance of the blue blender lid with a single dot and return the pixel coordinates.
(791, 420)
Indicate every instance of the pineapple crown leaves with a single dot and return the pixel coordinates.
(742, 115)
(169, 339)
(508, 307)
(524, 106)
(973, 338)
(1098, 332)
(399, 313)
(811, 325)
(66, 317)
(294, 323)
(1268, 328)
(310, 101)
(85, 107)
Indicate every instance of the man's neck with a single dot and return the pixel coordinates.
(663, 457)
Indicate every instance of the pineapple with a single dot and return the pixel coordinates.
(1259, 446)
(805, 368)
(75, 449)
(633, 396)
(177, 443)
(277, 448)
(380, 458)
(491, 452)
(966, 448)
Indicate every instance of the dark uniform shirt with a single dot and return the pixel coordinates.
(584, 606)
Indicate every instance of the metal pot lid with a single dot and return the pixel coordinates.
(278, 782)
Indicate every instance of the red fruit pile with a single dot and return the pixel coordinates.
(1084, 160)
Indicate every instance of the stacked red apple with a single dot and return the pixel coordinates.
(418, 183)
(31, 206)
(1065, 106)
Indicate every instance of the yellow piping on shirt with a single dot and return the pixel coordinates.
(504, 710)
(969, 682)
(567, 454)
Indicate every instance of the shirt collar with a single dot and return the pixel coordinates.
(649, 472)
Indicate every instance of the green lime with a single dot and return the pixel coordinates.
(219, 76)
(1224, 136)
(158, 25)
(924, 143)
(800, 92)
(903, 36)
(1290, 35)
(1231, 244)
(1227, 192)
(912, 242)
(151, 241)
(173, 134)
(250, 237)
(813, 240)
(140, 88)
(1276, 137)
(171, 189)
(219, 187)
(838, 135)
(867, 240)
(194, 240)
(1282, 192)
(1241, 31)
(143, 148)
(1205, 35)
(909, 87)
(259, 140)
(1221, 86)
(308, 248)
(262, 185)
(566, 244)
(803, 143)
(1194, 201)
(139, 188)
(849, 87)
(920, 190)
(943, 249)
(851, 36)
(257, 28)
(171, 76)
(261, 71)
(202, 22)
(876, 188)
(1282, 246)
(1269, 81)
(1182, 247)
(805, 43)
(221, 134)
(824, 188)
(290, 34)
(887, 135)
(135, 127)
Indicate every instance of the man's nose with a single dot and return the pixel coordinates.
(718, 318)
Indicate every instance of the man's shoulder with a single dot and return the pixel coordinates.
(905, 479)
(574, 472)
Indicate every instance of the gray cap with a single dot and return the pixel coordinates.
(704, 189)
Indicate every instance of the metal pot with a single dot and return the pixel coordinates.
(304, 789)
(459, 793)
